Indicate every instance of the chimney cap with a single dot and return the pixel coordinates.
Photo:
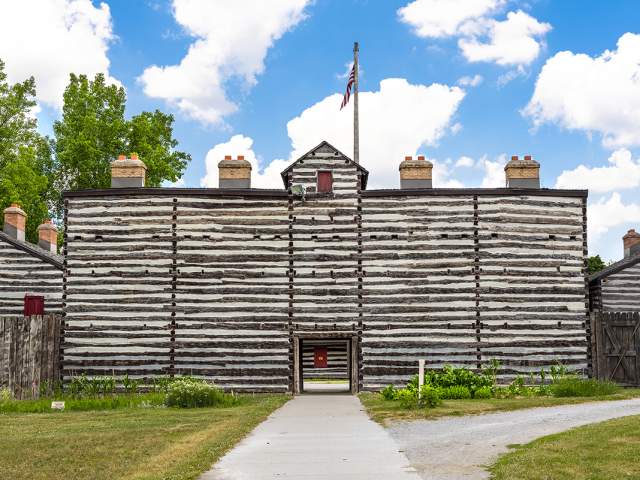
(631, 236)
(124, 162)
(526, 162)
(47, 225)
(415, 173)
(128, 172)
(234, 173)
(15, 208)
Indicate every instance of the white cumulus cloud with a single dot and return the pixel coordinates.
(599, 94)
(445, 18)
(231, 40)
(242, 145)
(623, 172)
(611, 212)
(443, 174)
(395, 121)
(515, 41)
(494, 176)
(464, 161)
(51, 39)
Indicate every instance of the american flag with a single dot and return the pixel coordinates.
(347, 94)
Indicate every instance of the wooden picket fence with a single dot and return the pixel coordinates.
(29, 353)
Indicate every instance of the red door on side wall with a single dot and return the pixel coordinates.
(325, 182)
(33, 305)
(320, 357)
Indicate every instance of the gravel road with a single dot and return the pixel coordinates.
(456, 448)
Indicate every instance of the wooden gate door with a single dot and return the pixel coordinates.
(618, 347)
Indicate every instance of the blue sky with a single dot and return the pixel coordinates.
(466, 82)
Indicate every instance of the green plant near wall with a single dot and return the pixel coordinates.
(192, 393)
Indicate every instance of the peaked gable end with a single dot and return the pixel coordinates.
(312, 167)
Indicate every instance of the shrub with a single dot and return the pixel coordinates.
(483, 392)
(461, 377)
(429, 397)
(408, 398)
(389, 392)
(455, 392)
(447, 383)
(191, 393)
(572, 386)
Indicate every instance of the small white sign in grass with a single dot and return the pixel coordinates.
(57, 405)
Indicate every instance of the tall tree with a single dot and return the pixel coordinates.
(25, 155)
(93, 131)
(90, 134)
(150, 135)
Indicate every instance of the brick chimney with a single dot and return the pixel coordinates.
(48, 237)
(234, 173)
(128, 172)
(15, 221)
(415, 173)
(522, 173)
(631, 243)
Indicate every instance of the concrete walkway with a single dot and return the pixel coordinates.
(458, 448)
(316, 437)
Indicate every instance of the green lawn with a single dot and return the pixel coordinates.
(132, 443)
(382, 410)
(607, 450)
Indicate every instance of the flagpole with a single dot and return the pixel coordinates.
(356, 133)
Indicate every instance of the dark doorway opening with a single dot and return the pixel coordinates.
(326, 365)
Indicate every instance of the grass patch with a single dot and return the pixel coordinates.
(130, 443)
(600, 451)
(582, 387)
(381, 410)
(84, 404)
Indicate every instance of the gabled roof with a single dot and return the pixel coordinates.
(33, 250)
(338, 155)
(615, 268)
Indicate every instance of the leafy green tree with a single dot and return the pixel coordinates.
(25, 156)
(150, 135)
(595, 264)
(21, 183)
(90, 134)
(93, 131)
